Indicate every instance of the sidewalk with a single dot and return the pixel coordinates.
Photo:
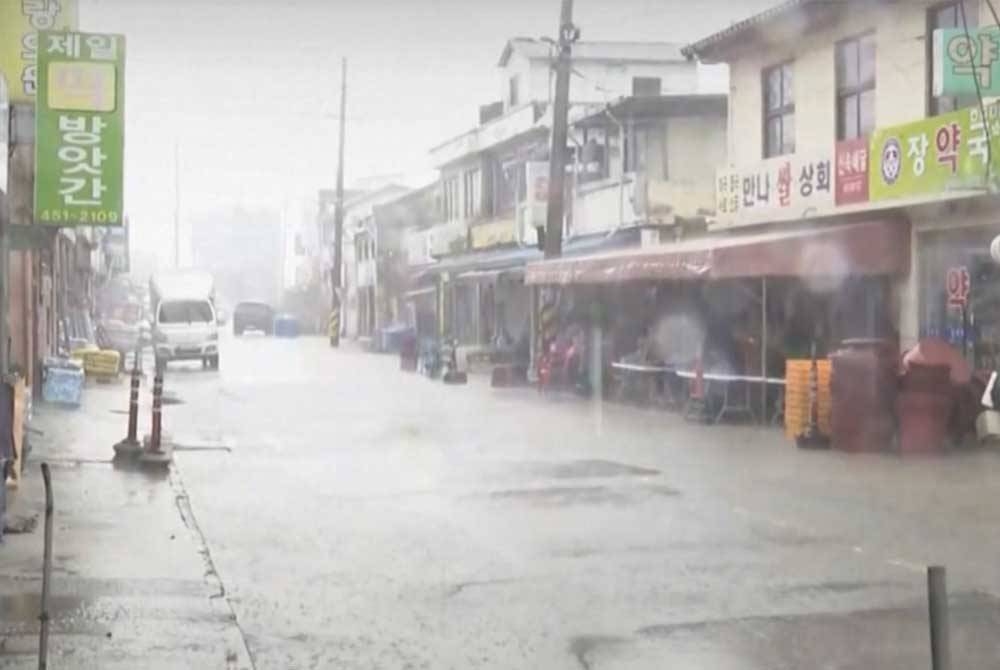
(133, 586)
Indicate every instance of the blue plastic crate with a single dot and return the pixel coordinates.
(286, 326)
(63, 386)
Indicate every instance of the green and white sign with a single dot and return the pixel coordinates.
(936, 156)
(961, 60)
(80, 129)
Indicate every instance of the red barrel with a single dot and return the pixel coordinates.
(863, 389)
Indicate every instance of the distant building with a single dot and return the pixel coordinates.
(394, 221)
(630, 104)
(360, 278)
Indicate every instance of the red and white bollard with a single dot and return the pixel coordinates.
(130, 446)
(157, 430)
(157, 451)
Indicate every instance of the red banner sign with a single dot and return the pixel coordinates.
(852, 172)
(959, 285)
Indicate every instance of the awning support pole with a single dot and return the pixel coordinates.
(763, 351)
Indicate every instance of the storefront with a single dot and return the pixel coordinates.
(744, 302)
(958, 287)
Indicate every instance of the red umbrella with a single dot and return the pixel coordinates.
(934, 351)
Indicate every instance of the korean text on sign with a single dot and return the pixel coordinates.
(776, 189)
(852, 172)
(966, 63)
(946, 153)
(80, 129)
(20, 21)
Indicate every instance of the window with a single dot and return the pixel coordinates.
(451, 202)
(471, 192)
(779, 110)
(856, 87)
(645, 86)
(514, 94)
(645, 150)
(948, 15)
(510, 187)
(185, 311)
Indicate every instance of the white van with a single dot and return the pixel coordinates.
(185, 329)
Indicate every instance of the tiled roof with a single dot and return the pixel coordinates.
(726, 35)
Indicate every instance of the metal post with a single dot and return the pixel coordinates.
(43, 638)
(177, 204)
(937, 605)
(568, 34)
(338, 217)
(763, 351)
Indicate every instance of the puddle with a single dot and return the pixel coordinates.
(584, 469)
(556, 496)
(25, 607)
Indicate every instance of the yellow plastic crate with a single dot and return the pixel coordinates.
(797, 396)
(101, 363)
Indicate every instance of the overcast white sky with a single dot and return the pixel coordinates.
(249, 88)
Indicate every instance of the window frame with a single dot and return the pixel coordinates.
(514, 91)
(934, 104)
(648, 81)
(857, 90)
(784, 109)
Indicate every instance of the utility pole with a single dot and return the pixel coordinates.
(338, 217)
(177, 204)
(568, 33)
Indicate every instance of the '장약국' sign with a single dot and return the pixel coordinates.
(80, 129)
(932, 157)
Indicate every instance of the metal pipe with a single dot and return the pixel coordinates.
(621, 178)
(43, 637)
(338, 218)
(763, 351)
(937, 606)
(576, 185)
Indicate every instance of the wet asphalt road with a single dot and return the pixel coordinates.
(362, 517)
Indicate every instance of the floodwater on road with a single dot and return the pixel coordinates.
(364, 517)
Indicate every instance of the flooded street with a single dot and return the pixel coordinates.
(704, 300)
(413, 524)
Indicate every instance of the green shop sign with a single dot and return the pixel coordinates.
(946, 153)
(961, 60)
(80, 129)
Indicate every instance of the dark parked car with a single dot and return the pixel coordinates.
(253, 316)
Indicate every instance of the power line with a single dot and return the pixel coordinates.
(979, 91)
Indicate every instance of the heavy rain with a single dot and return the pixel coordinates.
(580, 335)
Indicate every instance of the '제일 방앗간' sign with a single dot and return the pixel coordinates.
(80, 132)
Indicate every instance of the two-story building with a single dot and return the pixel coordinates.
(395, 222)
(848, 91)
(360, 279)
(494, 178)
(855, 198)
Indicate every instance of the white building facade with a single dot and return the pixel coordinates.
(833, 119)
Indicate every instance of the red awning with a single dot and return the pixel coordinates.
(879, 247)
